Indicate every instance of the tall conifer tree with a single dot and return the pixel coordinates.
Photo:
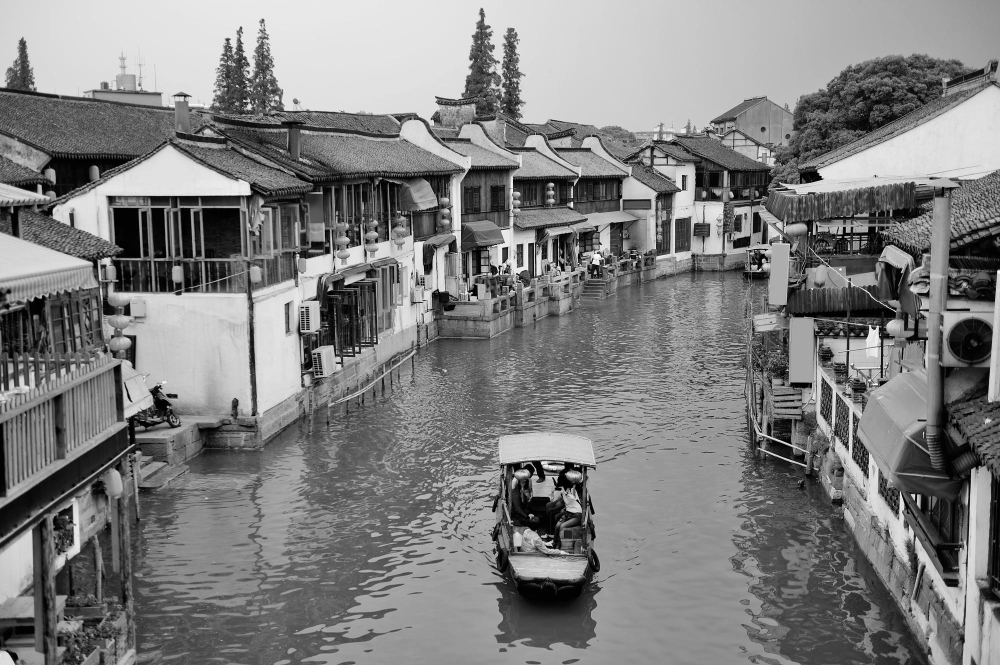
(265, 95)
(223, 99)
(511, 102)
(483, 81)
(241, 76)
(20, 75)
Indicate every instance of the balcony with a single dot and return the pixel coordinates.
(202, 275)
(499, 217)
(55, 410)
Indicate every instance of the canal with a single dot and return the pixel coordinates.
(366, 539)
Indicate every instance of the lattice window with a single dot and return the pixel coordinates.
(842, 426)
(826, 401)
(888, 493)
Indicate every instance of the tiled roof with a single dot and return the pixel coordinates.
(913, 119)
(593, 165)
(330, 156)
(713, 150)
(732, 113)
(617, 148)
(536, 166)
(77, 127)
(265, 179)
(653, 179)
(975, 214)
(538, 218)
(671, 150)
(53, 234)
(978, 420)
(12, 173)
(367, 123)
(481, 157)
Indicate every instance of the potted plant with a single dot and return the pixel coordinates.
(82, 648)
(777, 366)
(85, 606)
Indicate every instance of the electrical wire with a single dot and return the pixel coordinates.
(850, 283)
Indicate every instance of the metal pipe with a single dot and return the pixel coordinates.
(940, 244)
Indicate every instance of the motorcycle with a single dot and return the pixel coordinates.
(161, 411)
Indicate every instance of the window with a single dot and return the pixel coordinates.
(498, 198)
(529, 194)
(589, 241)
(682, 234)
(756, 222)
(763, 130)
(888, 493)
(788, 136)
(288, 318)
(471, 200)
(520, 255)
(994, 552)
(563, 192)
(545, 250)
(684, 183)
(504, 255)
(663, 237)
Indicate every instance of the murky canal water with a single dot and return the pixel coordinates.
(367, 541)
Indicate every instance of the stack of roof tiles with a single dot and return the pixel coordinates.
(12, 173)
(482, 158)
(593, 165)
(537, 166)
(978, 420)
(653, 179)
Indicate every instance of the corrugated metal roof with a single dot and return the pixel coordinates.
(15, 196)
(833, 300)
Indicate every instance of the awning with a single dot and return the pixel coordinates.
(827, 199)
(31, 271)
(15, 196)
(136, 394)
(584, 227)
(616, 217)
(554, 231)
(416, 194)
(555, 447)
(480, 234)
(440, 240)
(354, 270)
(387, 261)
(775, 224)
(892, 428)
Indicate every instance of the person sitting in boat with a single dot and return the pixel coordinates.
(572, 509)
(532, 542)
(521, 499)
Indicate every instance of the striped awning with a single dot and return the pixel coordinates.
(15, 196)
(31, 271)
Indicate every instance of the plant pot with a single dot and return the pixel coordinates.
(775, 382)
(93, 659)
(86, 611)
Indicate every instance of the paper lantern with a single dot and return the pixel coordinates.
(444, 202)
(177, 274)
(118, 344)
(704, 194)
(300, 264)
(445, 213)
(343, 255)
(116, 299)
(796, 230)
(819, 278)
(119, 321)
(110, 273)
(113, 485)
(255, 276)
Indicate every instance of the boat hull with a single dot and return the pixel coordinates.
(549, 578)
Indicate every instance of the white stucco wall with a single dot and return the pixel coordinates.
(199, 344)
(642, 233)
(278, 354)
(963, 142)
(16, 562)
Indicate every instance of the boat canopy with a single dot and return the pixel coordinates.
(515, 448)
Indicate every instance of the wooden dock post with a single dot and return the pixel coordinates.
(45, 590)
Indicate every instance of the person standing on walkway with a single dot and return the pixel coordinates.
(595, 264)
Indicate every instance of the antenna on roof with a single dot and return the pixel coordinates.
(139, 63)
(121, 61)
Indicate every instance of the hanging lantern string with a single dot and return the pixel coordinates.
(850, 283)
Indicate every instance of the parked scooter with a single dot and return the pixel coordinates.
(161, 411)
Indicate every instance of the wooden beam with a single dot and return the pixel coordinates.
(45, 590)
(98, 570)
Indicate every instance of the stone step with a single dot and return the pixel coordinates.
(147, 470)
(162, 477)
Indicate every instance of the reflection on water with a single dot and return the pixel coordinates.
(366, 539)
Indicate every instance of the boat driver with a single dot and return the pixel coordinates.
(521, 499)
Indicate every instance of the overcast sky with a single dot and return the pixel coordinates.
(625, 62)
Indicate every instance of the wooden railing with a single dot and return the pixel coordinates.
(50, 406)
(201, 275)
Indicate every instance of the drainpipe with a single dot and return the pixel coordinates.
(940, 244)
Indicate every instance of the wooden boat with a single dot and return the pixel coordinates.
(536, 574)
(758, 265)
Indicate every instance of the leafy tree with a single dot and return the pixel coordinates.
(618, 133)
(265, 95)
(511, 102)
(223, 99)
(858, 100)
(20, 75)
(241, 76)
(483, 81)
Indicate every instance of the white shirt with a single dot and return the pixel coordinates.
(572, 501)
(595, 259)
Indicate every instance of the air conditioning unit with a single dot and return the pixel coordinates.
(309, 317)
(967, 339)
(417, 294)
(324, 361)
